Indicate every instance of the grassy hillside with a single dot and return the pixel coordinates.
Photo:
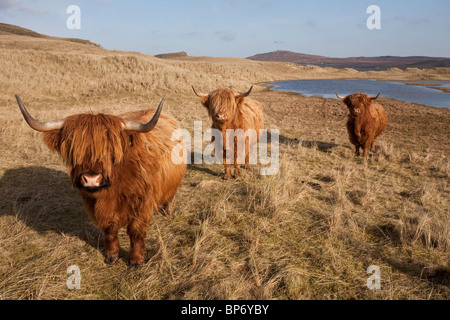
(309, 232)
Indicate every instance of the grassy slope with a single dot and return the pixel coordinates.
(308, 232)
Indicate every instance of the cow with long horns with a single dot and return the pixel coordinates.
(366, 120)
(121, 166)
(234, 112)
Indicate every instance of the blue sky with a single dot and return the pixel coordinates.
(241, 28)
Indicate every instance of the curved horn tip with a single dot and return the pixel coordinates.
(160, 106)
(373, 98)
(144, 127)
(201, 95)
(18, 99)
(342, 98)
(248, 92)
(158, 111)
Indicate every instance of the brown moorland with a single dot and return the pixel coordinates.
(308, 232)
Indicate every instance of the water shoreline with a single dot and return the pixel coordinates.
(434, 95)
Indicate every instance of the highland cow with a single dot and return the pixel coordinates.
(366, 120)
(121, 166)
(233, 110)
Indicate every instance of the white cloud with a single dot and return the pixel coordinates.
(9, 6)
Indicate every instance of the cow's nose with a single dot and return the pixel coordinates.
(220, 116)
(89, 180)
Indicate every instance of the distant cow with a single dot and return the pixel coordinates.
(229, 109)
(121, 166)
(366, 120)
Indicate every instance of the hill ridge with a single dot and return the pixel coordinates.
(6, 28)
(361, 63)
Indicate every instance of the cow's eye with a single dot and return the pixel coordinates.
(131, 137)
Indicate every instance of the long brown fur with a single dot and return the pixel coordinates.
(138, 167)
(366, 121)
(241, 113)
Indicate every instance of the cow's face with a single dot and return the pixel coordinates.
(357, 103)
(91, 145)
(222, 104)
(356, 109)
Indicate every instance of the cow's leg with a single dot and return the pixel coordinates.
(365, 152)
(226, 155)
(237, 165)
(368, 144)
(357, 150)
(213, 140)
(111, 244)
(227, 166)
(237, 171)
(168, 207)
(247, 154)
(137, 231)
(247, 162)
(365, 148)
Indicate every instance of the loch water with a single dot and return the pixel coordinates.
(399, 90)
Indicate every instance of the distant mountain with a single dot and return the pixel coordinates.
(16, 30)
(358, 63)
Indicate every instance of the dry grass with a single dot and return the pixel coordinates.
(309, 232)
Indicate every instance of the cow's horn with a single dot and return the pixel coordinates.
(342, 98)
(373, 98)
(201, 95)
(247, 93)
(36, 125)
(144, 127)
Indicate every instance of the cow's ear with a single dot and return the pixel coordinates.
(205, 101)
(239, 100)
(53, 140)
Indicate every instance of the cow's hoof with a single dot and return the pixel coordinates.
(133, 263)
(111, 258)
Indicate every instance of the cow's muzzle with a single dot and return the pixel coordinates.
(220, 117)
(92, 181)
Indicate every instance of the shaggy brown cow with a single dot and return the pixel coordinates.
(122, 168)
(233, 110)
(366, 120)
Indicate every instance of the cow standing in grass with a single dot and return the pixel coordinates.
(366, 120)
(121, 166)
(229, 109)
